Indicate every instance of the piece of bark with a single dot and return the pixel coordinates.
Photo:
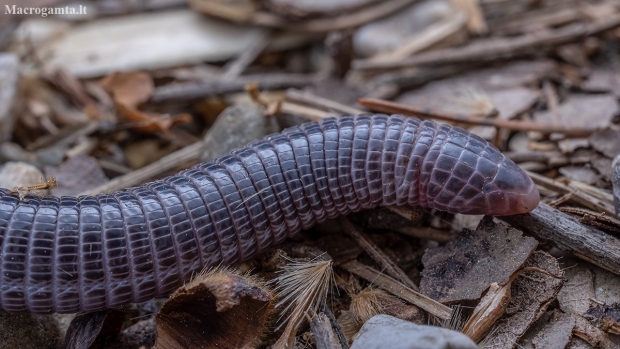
(467, 265)
(565, 232)
(531, 295)
(556, 334)
(217, 309)
(140, 42)
(323, 334)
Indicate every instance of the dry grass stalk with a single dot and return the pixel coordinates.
(303, 286)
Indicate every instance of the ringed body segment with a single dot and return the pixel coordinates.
(70, 254)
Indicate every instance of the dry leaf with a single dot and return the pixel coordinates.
(130, 90)
(467, 265)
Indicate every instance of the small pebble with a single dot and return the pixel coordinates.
(384, 331)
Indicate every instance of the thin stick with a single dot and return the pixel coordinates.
(494, 49)
(423, 40)
(155, 169)
(397, 108)
(567, 233)
(376, 253)
(235, 67)
(335, 326)
(320, 102)
(398, 289)
(578, 197)
(355, 19)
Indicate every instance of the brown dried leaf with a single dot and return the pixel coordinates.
(576, 294)
(607, 142)
(531, 295)
(467, 265)
(218, 309)
(150, 122)
(130, 89)
(600, 110)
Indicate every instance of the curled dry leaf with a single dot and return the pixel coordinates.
(218, 309)
(130, 90)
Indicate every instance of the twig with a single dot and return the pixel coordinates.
(234, 68)
(427, 233)
(145, 173)
(336, 326)
(565, 232)
(398, 289)
(320, 102)
(391, 107)
(494, 49)
(592, 190)
(578, 197)
(376, 253)
(423, 40)
(322, 329)
(368, 14)
(196, 90)
(309, 112)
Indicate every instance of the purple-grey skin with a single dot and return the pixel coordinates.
(64, 255)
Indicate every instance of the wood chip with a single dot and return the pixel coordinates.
(531, 295)
(467, 265)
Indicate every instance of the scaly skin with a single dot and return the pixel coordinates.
(82, 254)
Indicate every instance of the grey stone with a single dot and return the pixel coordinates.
(384, 331)
(234, 128)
